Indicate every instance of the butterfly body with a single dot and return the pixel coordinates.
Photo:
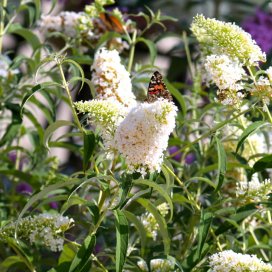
(157, 89)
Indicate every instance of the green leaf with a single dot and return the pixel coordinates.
(28, 96)
(42, 194)
(170, 180)
(94, 211)
(158, 188)
(71, 201)
(262, 164)
(83, 254)
(28, 35)
(176, 93)
(89, 145)
(160, 220)
(13, 128)
(79, 68)
(151, 47)
(9, 261)
(23, 256)
(140, 228)
(248, 131)
(52, 128)
(222, 164)
(67, 254)
(203, 230)
(16, 173)
(121, 225)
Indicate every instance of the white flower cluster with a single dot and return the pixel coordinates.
(224, 72)
(219, 38)
(143, 135)
(226, 48)
(66, 22)
(104, 115)
(253, 191)
(150, 224)
(255, 143)
(5, 70)
(262, 88)
(45, 228)
(138, 131)
(227, 75)
(157, 265)
(229, 261)
(111, 79)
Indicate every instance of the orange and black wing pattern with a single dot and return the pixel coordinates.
(157, 89)
(111, 22)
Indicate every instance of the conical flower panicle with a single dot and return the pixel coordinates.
(143, 135)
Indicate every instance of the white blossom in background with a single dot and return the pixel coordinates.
(269, 73)
(65, 22)
(105, 115)
(5, 70)
(46, 229)
(220, 38)
(229, 261)
(254, 190)
(111, 79)
(149, 222)
(254, 144)
(157, 265)
(262, 89)
(143, 135)
(224, 72)
(161, 265)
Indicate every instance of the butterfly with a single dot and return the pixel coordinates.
(157, 89)
(111, 22)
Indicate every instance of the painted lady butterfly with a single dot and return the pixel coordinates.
(157, 89)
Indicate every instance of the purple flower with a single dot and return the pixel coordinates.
(260, 27)
(24, 188)
(175, 150)
(190, 158)
(13, 156)
(54, 205)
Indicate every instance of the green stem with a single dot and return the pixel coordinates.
(212, 130)
(188, 55)
(257, 243)
(2, 23)
(132, 51)
(266, 109)
(253, 150)
(65, 85)
(190, 197)
(99, 263)
(23, 258)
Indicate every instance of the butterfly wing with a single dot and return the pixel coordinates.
(157, 88)
(111, 22)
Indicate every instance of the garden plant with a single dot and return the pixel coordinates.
(165, 169)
